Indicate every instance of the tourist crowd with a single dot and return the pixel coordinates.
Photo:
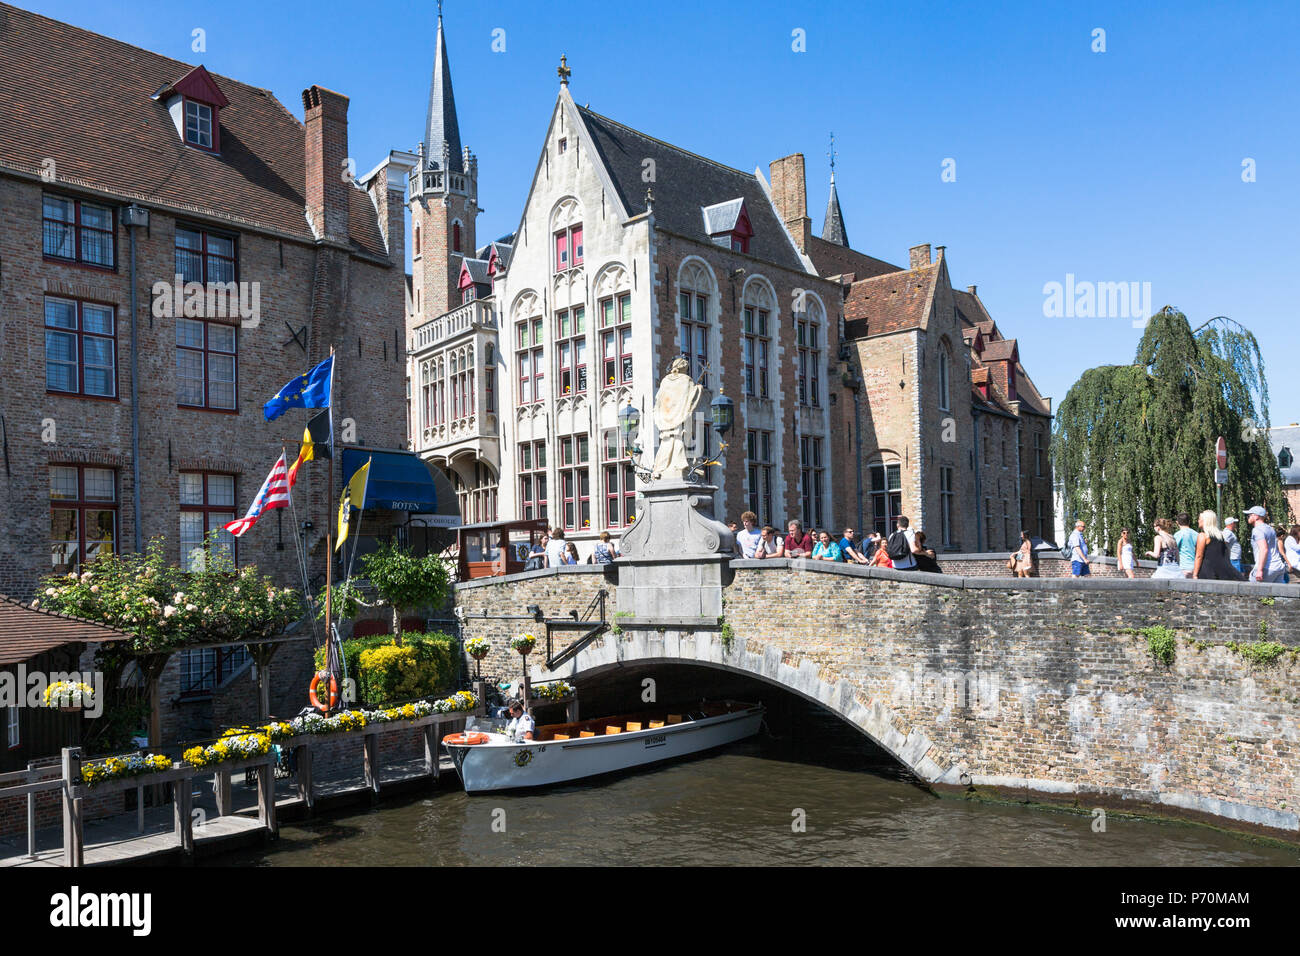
(1212, 553)
(903, 550)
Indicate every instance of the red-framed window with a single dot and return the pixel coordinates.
(201, 125)
(568, 248)
(206, 365)
(203, 256)
(207, 503)
(616, 340)
(620, 481)
(489, 388)
(532, 480)
(479, 501)
(415, 242)
(887, 497)
(78, 231)
(529, 358)
(808, 343)
(758, 459)
(80, 348)
(571, 351)
(756, 343)
(813, 475)
(83, 515)
(462, 388)
(693, 317)
(575, 482)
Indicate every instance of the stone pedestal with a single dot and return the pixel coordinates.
(674, 557)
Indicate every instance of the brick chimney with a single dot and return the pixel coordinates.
(920, 256)
(326, 153)
(790, 196)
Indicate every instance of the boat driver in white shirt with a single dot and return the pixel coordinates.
(521, 724)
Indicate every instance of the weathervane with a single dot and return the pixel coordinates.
(563, 71)
(831, 154)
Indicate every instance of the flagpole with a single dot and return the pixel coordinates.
(330, 663)
(302, 557)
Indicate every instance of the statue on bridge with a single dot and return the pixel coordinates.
(675, 405)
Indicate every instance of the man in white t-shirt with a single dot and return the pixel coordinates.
(747, 540)
(555, 549)
(908, 561)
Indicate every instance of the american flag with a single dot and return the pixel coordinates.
(273, 494)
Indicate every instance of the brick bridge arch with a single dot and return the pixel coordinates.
(878, 722)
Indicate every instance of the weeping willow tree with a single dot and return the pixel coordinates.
(1133, 443)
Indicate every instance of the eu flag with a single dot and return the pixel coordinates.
(304, 391)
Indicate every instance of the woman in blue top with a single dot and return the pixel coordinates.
(826, 550)
(1185, 539)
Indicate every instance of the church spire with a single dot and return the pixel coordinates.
(441, 130)
(833, 227)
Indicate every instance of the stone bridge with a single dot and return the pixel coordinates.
(1034, 689)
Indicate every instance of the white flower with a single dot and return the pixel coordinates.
(178, 597)
(94, 589)
(168, 611)
(50, 592)
(191, 607)
(36, 603)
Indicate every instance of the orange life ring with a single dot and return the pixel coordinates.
(469, 740)
(334, 691)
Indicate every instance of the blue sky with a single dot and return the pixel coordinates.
(1115, 166)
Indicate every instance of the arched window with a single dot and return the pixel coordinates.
(808, 339)
(417, 240)
(944, 376)
(694, 296)
(756, 318)
(455, 237)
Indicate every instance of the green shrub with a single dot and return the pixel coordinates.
(1160, 640)
(424, 665)
(1261, 652)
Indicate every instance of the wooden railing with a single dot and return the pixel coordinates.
(182, 776)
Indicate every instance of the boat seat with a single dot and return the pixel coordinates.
(613, 729)
(586, 733)
(560, 737)
(674, 718)
(654, 724)
(633, 725)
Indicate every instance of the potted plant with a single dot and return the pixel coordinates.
(524, 644)
(477, 648)
(69, 696)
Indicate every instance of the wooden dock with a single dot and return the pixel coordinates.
(219, 809)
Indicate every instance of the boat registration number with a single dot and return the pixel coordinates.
(657, 740)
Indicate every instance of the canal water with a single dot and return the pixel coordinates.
(744, 805)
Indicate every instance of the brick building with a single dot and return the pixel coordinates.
(863, 390)
(121, 169)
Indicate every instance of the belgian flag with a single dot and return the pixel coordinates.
(317, 442)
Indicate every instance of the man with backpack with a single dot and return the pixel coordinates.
(901, 546)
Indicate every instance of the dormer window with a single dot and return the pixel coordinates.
(198, 124)
(194, 103)
(727, 224)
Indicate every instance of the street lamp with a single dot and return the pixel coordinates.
(723, 410)
(629, 421)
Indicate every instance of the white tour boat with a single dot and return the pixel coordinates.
(490, 760)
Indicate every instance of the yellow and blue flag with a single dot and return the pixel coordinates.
(311, 390)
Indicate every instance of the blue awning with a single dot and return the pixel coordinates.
(399, 480)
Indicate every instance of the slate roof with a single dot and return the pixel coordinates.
(889, 303)
(833, 225)
(722, 217)
(26, 632)
(478, 271)
(441, 125)
(1287, 436)
(684, 184)
(84, 101)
